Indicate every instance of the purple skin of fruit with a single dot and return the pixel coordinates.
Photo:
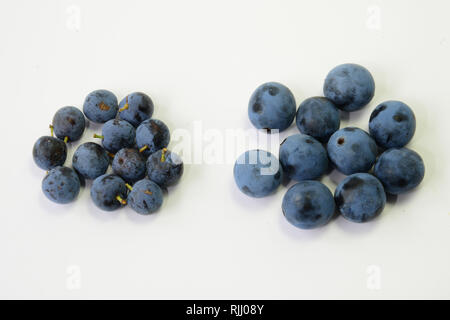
(49, 152)
(400, 170)
(136, 108)
(303, 157)
(352, 150)
(392, 124)
(146, 197)
(349, 86)
(151, 136)
(61, 185)
(117, 134)
(90, 160)
(272, 106)
(164, 168)
(109, 192)
(360, 197)
(308, 205)
(100, 106)
(129, 164)
(69, 124)
(257, 173)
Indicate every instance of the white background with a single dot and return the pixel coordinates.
(200, 61)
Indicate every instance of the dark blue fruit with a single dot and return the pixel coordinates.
(90, 160)
(49, 152)
(272, 106)
(146, 197)
(69, 122)
(352, 150)
(117, 134)
(257, 173)
(308, 205)
(165, 168)
(392, 124)
(109, 192)
(360, 197)
(303, 157)
(61, 185)
(318, 117)
(100, 106)
(129, 164)
(151, 136)
(136, 108)
(400, 170)
(349, 86)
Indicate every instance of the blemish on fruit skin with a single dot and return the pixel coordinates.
(340, 141)
(71, 120)
(246, 190)
(376, 112)
(273, 91)
(353, 183)
(339, 200)
(399, 117)
(103, 106)
(257, 107)
(307, 205)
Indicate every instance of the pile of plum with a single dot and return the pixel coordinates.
(375, 163)
(133, 143)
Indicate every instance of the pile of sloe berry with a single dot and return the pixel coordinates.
(132, 142)
(305, 157)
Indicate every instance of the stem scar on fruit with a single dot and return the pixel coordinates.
(122, 201)
(143, 148)
(129, 187)
(103, 106)
(163, 154)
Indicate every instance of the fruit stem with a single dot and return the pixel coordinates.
(122, 201)
(110, 154)
(51, 129)
(143, 148)
(125, 107)
(129, 186)
(163, 154)
(148, 192)
(66, 138)
(98, 136)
